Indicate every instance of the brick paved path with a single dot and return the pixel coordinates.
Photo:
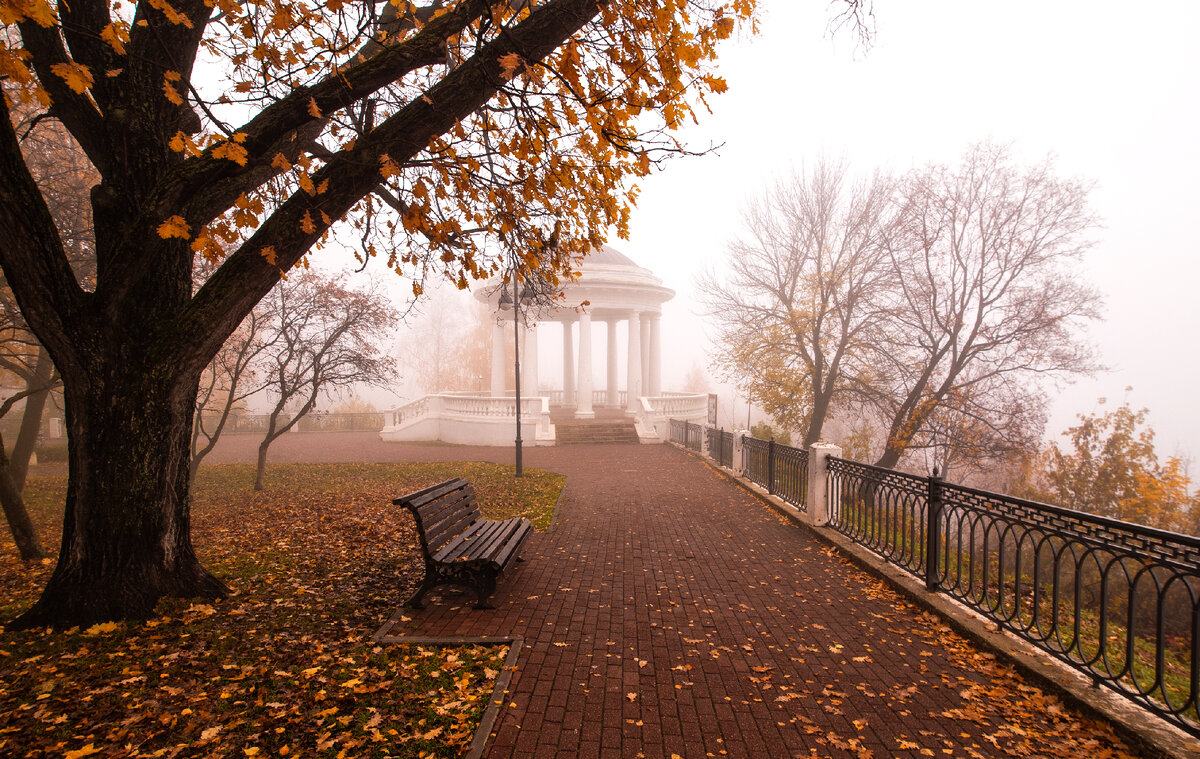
(669, 612)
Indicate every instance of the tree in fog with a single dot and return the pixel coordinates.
(448, 344)
(323, 336)
(245, 134)
(801, 306)
(230, 378)
(988, 302)
(1110, 468)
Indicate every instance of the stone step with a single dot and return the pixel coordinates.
(595, 432)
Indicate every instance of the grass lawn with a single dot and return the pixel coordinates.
(285, 665)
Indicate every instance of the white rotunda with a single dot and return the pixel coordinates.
(591, 406)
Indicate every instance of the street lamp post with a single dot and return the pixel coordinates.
(515, 300)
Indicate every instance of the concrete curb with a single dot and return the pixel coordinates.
(1152, 735)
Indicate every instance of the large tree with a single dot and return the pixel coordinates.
(988, 304)
(802, 303)
(256, 127)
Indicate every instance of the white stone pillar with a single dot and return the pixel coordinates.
(655, 387)
(818, 481)
(583, 407)
(529, 365)
(498, 360)
(568, 364)
(614, 398)
(645, 343)
(634, 379)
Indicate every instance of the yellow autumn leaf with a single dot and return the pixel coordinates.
(231, 151)
(116, 37)
(38, 11)
(268, 253)
(509, 65)
(175, 226)
(77, 76)
(281, 162)
(171, 93)
(101, 628)
(313, 110)
(87, 750)
(306, 224)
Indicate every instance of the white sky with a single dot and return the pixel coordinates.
(1111, 89)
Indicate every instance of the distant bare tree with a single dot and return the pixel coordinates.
(988, 303)
(327, 336)
(802, 303)
(448, 345)
(230, 379)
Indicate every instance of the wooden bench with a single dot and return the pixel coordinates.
(460, 547)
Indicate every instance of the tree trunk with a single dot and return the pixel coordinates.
(890, 458)
(126, 529)
(31, 419)
(14, 511)
(262, 462)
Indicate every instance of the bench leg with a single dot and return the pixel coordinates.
(485, 585)
(415, 600)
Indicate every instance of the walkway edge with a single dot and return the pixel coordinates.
(1153, 736)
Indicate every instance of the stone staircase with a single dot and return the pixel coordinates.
(607, 427)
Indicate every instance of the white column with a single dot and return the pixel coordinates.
(655, 389)
(529, 365)
(583, 406)
(568, 365)
(614, 398)
(645, 354)
(498, 360)
(634, 379)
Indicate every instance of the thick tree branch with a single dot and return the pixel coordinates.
(75, 110)
(246, 276)
(32, 255)
(203, 186)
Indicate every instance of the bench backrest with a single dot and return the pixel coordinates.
(441, 512)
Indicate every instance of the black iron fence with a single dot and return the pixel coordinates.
(781, 469)
(1116, 601)
(693, 436)
(724, 442)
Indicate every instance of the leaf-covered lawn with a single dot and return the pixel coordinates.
(283, 667)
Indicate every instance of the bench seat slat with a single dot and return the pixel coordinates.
(467, 545)
(489, 543)
(509, 549)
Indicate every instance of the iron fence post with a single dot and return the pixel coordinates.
(933, 531)
(771, 466)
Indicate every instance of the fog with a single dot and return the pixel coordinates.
(1110, 91)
